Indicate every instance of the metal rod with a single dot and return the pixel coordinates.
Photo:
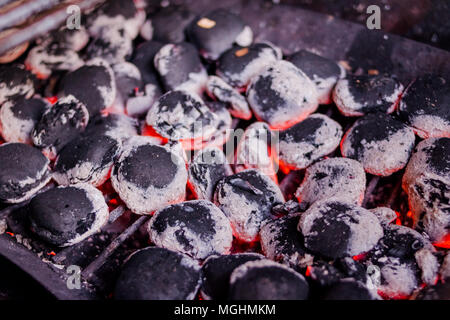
(90, 270)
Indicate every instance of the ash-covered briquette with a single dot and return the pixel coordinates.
(49, 57)
(74, 39)
(425, 106)
(93, 84)
(61, 123)
(117, 126)
(380, 143)
(405, 259)
(360, 95)
(247, 199)
(216, 272)
(385, 215)
(254, 150)
(335, 229)
(111, 44)
(64, 216)
(143, 59)
(238, 65)
(427, 183)
(147, 176)
(334, 177)
(24, 170)
(217, 31)
(267, 280)
(206, 169)
(15, 81)
(349, 289)
(282, 95)
(322, 71)
(86, 159)
(180, 67)
(440, 291)
(116, 14)
(158, 274)
(18, 117)
(180, 115)
(168, 24)
(131, 97)
(197, 228)
(281, 242)
(222, 91)
(222, 133)
(307, 141)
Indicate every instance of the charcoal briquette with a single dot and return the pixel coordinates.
(15, 81)
(349, 289)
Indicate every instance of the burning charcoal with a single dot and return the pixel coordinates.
(349, 289)
(217, 270)
(427, 183)
(385, 215)
(116, 126)
(148, 177)
(324, 274)
(18, 117)
(290, 183)
(382, 144)
(15, 82)
(23, 172)
(359, 95)
(267, 280)
(322, 71)
(238, 65)
(219, 89)
(73, 39)
(287, 208)
(334, 177)
(351, 267)
(405, 259)
(217, 31)
(86, 159)
(222, 134)
(282, 95)
(112, 44)
(143, 59)
(129, 96)
(64, 216)
(205, 170)
(168, 24)
(281, 242)
(180, 67)
(425, 106)
(441, 291)
(93, 84)
(308, 141)
(158, 274)
(49, 56)
(117, 13)
(197, 228)
(445, 268)
(179, 115)
(337, 229)
(247, 199)
(61, 123)
(255, 150)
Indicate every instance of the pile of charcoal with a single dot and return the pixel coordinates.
(149, 100)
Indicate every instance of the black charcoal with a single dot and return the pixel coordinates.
(15, 82)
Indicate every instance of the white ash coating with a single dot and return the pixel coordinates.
(131, 25)
(116, 126)
(10, 90)
(334, 177)
(100, 209)
(138, 106)
(325, 86)
(385, 215)
(147, 30)
(245, 38)
(364, 228)
(397, 279)
(14, 128)
(111, 44)
(145, 201)
(253, 151)
(218, 88)
(247, 215)
(445, 268)
(422, 182)
(74, 39)
(300, 152)
(183, 121)
(429, 265)
(108, 92)
(208, 166)
(347, 105)
(290, 85)
(380, 157)
(85, 172)
(266, 57)
(427, 126)
(48, 57)
(202, 243)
